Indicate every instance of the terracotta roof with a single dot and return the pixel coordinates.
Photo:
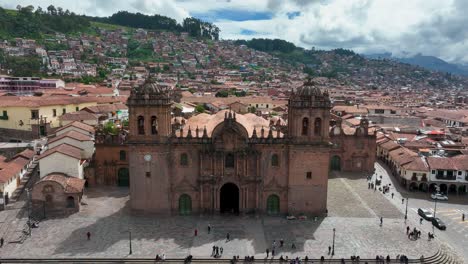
(71, 134)
(49, 100)
(69, 184)
(77, 116)
(389, 145)
(27, 153)
(65, 149)
(77, 124)
(417, 164)
(248, 121)
(105, 108)
(8, 170)
(441, 163)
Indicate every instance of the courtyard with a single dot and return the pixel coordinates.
(354, 212)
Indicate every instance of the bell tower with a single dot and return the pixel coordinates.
(149, 113)
(309, 114)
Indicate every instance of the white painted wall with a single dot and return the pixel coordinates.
(58, 162)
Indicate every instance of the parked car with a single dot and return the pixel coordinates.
(439, 196)
(438, 223)
(426, 214)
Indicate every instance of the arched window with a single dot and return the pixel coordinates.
(141, 125)
(305, 126)
(70, 202)
(154, 125)
(229, 162)
(184, 159)
(318, 126)
(274, 160)
(123, 155)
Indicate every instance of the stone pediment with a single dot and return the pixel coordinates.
(185, 185)
(273, 185)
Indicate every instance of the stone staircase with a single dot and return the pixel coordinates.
(24, 181)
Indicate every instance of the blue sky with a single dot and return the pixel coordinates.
(402, 27)
(232, 15)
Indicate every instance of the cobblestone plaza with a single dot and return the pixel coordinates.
(354, 211)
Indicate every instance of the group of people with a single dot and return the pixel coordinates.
(160, 257)
(217, 252)
(413, 235)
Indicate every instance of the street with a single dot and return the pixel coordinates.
(450, 212)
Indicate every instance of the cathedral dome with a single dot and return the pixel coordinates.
(150, 93)
(309, 89)
(309, 95)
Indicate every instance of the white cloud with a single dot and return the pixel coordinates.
(432, 27)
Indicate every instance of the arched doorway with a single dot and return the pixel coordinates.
(335, 163)
(185, 204)
(443, 188)
(229, 198)
(70, 202)
(452, 188)
(433, 187)
(423, 187)
(273, 204)
(413, 186)
(462, 189)
(123, 177)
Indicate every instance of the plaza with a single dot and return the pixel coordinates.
(353, 211)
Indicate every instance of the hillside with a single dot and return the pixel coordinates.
(93, 41)
(352, 68)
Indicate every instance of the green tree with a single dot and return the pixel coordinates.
(200, 108)
(110, 128)
(222, 93)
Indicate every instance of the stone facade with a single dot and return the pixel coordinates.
(110, 163)
(230, 162)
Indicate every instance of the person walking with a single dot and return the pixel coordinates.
(392, 195)
(407, 230)
(463, 217)
(267, 252)
(420, 220)
(381, 221)
(402, 200)
(214, 251)
(273, 252)
(196, 232)
(221, 250)
(329, 250)
(209, 228)
(1, 242)
(88, 235)
(227, 236)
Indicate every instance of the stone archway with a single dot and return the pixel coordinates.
(413, 186)
(423, 187)
(443, 188)
(335, 163)
(452, 188)
(229, 198)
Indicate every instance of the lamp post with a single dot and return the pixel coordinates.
(130, 241)
(333, 246)
(406, 210)
(435, 207)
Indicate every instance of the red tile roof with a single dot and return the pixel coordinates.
(78, 124)
(69, 184)
(71, 134)
(65, 149)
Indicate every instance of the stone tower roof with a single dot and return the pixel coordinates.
(309, 95)
(149, 93)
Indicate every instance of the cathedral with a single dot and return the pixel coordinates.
(234, 163)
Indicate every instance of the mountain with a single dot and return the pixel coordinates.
(428, 62)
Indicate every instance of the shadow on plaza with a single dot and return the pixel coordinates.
(107, 191)
(160, 230)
